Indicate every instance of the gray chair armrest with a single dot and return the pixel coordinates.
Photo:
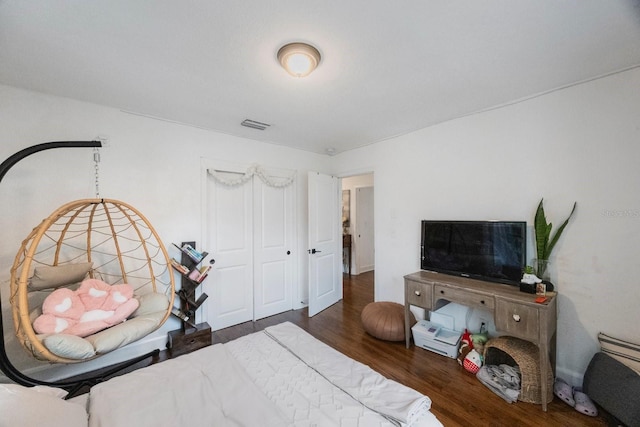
(615, 387)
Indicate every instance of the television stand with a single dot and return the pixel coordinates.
(515, 313)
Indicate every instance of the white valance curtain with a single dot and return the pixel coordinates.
(255, 169)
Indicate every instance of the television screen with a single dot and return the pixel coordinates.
(486, 250)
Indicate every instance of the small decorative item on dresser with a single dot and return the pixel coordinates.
(529, 281)
(545, 242)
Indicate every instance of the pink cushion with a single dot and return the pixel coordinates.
(93, 307)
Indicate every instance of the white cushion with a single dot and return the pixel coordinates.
(125, 333)
(150, 303)
(69, 346)
(38, 406)
(59, 275)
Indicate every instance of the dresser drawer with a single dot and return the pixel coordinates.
(418, 293)
(464, 297)
(517, 320)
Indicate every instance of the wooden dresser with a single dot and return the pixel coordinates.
(515, 313)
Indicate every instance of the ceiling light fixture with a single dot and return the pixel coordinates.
(299, 59)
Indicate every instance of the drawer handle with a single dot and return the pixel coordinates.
(516, 317)
(442, 292)
(482, 302)
(417, 293)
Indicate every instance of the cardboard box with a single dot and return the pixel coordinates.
(435, 338)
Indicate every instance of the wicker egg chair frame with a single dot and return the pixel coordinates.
(114, 237)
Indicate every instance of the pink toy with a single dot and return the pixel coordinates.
(96, 305)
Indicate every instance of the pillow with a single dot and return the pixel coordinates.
(125, 333)
(93, 307)
(151, 303)
(625, 352)
(69, 346)
(59, 275)
(39, 406)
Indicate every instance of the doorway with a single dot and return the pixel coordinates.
(358, 223)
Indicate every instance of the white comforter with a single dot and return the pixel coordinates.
(280, 377)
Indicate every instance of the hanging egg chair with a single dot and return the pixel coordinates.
(100, 239)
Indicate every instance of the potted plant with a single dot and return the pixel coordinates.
(545, 242)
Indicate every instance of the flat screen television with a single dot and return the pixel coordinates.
(485, 250)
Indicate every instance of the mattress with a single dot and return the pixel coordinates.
(281, 376)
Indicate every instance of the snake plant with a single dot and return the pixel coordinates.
(544, 241)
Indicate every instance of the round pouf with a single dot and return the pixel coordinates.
(385, 320)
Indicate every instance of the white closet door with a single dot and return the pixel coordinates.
(230, 239)
(273, 249)
(251, 235)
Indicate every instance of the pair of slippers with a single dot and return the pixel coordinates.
(574, 397)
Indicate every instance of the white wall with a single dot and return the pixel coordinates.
(578, 144)
(153, 165)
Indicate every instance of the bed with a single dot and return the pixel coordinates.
(281, 376)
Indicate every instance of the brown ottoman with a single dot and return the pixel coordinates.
(385, 320)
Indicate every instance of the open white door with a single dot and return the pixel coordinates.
(325, 242)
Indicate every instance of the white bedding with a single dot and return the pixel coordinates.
(257, 380)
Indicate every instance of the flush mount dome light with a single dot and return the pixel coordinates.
(299, 59)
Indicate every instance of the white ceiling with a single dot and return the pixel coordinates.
(387, 67)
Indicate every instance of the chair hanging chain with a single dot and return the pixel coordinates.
(96, 165)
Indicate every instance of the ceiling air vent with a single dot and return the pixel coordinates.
(255, 125)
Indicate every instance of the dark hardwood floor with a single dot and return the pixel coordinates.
(459, 399)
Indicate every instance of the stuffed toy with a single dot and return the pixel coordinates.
(466, 345)
(472, 361)
(479, 340)
(95, 306)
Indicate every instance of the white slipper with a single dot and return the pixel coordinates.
(584, 404)
(564, 392)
